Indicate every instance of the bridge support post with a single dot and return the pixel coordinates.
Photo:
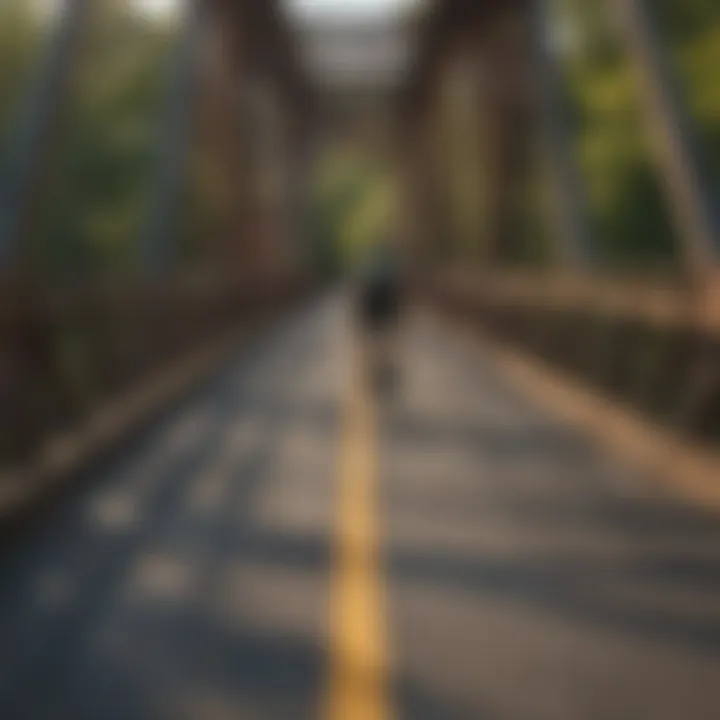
(412, 227)
(21, 182)
(421, 230)
(222, 147)
(299, 170)
(569, 203)
(287, 156)
(174, 144)
(505, 106)
(436, 191)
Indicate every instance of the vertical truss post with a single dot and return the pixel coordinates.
(575, 240)
(22, 177)
(299, 175)
(174, 143)
(222, 128)
(506, 112)
(436, 193)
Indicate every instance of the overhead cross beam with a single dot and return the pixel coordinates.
(444, 26)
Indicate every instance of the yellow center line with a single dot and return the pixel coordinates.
(358, 677)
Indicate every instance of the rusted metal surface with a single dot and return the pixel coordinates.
(447, 25)
(652, 343)
(67, 349)
(669, 301)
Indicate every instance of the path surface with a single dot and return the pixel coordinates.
(526, 575)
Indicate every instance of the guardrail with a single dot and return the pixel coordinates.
(653, 343)
(64, 351)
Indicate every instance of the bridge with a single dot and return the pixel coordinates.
(206, 513)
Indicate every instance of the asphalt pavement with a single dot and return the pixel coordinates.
(526, 574)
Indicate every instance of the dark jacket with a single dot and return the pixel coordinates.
(380, 295)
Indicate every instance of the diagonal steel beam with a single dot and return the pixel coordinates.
(175, 139)
(695, 211)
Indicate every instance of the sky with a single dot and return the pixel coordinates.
(159, 7)
(312, 8)
(348, 7)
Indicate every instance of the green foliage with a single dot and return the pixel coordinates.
(95, 198)
(353, 207)
(627, 204)
(685, 20)
(98, 199)
(22, 33)
(626, 199)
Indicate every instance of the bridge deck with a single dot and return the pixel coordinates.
(526, 574)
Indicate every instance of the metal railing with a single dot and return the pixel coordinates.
(68, 345)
